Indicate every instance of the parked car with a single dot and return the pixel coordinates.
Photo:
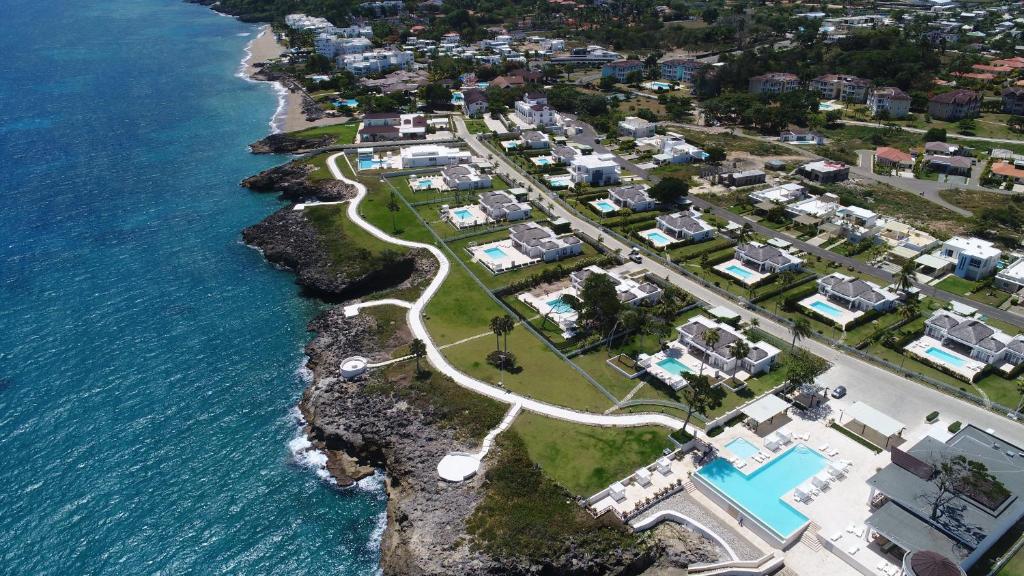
(839, 392)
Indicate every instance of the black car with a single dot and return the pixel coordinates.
(839, 392)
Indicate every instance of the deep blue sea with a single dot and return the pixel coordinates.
(148, 360)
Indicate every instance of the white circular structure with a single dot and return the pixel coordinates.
(457, 466)
(353, 366)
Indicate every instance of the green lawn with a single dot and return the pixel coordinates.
(974, 290)
(495, 281)
(586, 459)
(477, 126)
(342, 133)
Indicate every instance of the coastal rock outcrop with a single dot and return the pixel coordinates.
(288, 238)
(284, 143)
(293, 182)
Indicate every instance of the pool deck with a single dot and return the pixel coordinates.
(437, 184)
(597, 205)
(681, 355)
(538, 300)
(754, 277)
(845, 316)
(512, 260)
(476, 218)
(919, 349)
(655, 243)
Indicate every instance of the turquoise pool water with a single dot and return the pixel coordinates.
(658, 238)
(495, 253)
(462, 214)
(942, 355)
(760, 494)
(662, 85)
(558, 306)
(605, 206)
(826, 309)
(739, 271)
(367, 164)
(673, 366)
(542, 161)
(742, 448)
(350, 102)
(424, 184)
(560, 182)
(457, 97)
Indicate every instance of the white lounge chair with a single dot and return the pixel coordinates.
(851, 527)
(820, 480)
(823, 448)
(739, 465)
(835, 471)
(836, 537)
(852, 550)
(784, 436)
(800, 496)
(859, 532)
(832, 453)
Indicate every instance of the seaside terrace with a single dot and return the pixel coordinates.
(842, 299)
(966, 346)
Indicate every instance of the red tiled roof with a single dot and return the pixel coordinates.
(1007, 169)
(893, 155)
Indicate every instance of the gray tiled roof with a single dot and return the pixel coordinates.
(680, 222)
(971, 331)
(633, 193)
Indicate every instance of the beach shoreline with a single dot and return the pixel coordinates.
(289, 115)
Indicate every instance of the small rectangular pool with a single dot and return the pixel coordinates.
(462, 214)
(760, 494)
(658, 238)
(943, 356)
(604, 206)
(495, 253)
(826, 309)
(367, 164)
(742, 448)
(739, 271)
(558, 306)
(673, 366)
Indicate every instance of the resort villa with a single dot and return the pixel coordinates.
(754, 263)
(430, 155)
(825, 171)
(814, 209)
(899, 235)
(675, 150)
(742, 178)
(633, 197)
(801, 136)
(465, 177)
(972, 258)
(691, 353)
(528, 243)
(908, 509)
(549, 302)
(678, 227)
(636, 127)
(841, 299)
(501, 205)
(595, 170)
(856, 223)
(533, 109)
(894, 158)
(967, 346)
(779, 195)
(681, 70)
(1011, 278)
(535, 140)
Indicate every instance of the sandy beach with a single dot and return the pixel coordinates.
(289, 117)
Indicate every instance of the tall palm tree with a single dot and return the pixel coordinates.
(909, 310)
(418, 349)
(786, 278)
(497, 327)
(905, 278)
(800, 329)
(393, 207)
(745, 233)
(508, 324)
(739, 350)
(711, 337)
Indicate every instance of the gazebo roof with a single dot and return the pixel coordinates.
(766, 408)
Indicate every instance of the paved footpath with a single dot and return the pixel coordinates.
(899, 397)
(437, 359)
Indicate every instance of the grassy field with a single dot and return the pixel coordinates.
(586, 459)
(974, 200)
(476, 126)
(906, 206)
(342, 133)
(731, 142)
(976, 291)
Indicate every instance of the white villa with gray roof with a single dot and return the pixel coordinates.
(541, 243)
(633, 197)
(685, 226)
(465, 177)
(856, 294)
(967, 346)
(767, 259)
(500, 205)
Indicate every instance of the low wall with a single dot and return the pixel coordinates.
(688, 522)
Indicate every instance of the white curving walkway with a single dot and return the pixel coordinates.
(436, 358)
(353, 309)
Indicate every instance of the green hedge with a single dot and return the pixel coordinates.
(857, 438)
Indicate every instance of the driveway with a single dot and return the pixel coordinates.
(928, 189)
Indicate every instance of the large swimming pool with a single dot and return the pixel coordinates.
(760, 493)
(674, 367)
(943, 356)
(658, 238)
(739, 271)
(742, 448)
(826, 309)
(604, 206)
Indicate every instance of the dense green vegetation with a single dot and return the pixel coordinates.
(351, 249)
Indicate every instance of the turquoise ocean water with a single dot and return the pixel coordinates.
(148, 360)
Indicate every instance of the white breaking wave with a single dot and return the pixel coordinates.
(304, 453)
(303, 371)
(244, 34)
(377, 536)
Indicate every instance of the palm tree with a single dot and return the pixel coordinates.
(393, 207)
(909, 310)
(800, 329)
(711, 337)
(418, 349)
(739, 350)
(508, 324)
(704, 263)
(905, 278)
(786, 278)
(497, 326)
(745, 233)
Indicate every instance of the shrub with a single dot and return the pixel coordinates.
(954, 427)
(932, 417)
(502, 360)
(715, 431)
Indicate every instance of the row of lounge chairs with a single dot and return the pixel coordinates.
(820, 482)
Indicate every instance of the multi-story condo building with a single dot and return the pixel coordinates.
(774, 83)
(889, 100)
(955, 105)
(621, 69)
(636, 127)
(1013, 100)
(841, 87)
(681, 70)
